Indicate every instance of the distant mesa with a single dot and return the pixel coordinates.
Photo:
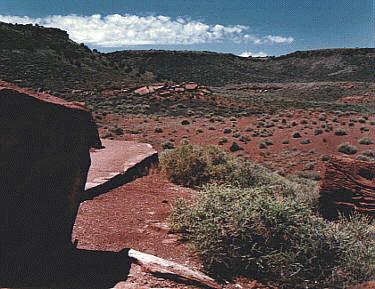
(47, 57)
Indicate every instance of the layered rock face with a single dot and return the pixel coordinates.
(348, 186)
(44, 160)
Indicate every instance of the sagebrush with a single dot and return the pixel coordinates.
(249, 221)
(192, 165)
(251, 232)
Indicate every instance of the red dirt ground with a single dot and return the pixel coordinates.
(134, 216)
(285, 158)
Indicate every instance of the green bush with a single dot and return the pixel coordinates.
(158, 130)
(347, 148)
(340, 132)
(235, 147)
(193, 165)
(318, 131)
(118, 131)
(369, 153)
(365, 141)
(253, 233)
(168, 145)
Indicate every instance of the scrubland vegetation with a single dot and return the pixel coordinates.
(245, 219)
(249, 221)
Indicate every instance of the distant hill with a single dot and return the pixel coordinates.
(46, 58)
(217, 69)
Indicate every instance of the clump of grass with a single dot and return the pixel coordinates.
(369, 153)
(347, 148)
(227, 130)
(244, 139)
(251, 232)
(322, 117)
(268, 142)
(309, 166)
(235, 147)
(296, 134)
(340, 132)
(118, 131)
(326, 158)
(223, 141)
(184, 141)
(364, 158)
(168, 145)
(193, 165)
(311, 175)
(362, 120)
(263, 145)
(305, 141)
(318, 131)
(365, 141)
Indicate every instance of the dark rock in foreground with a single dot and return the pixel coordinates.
(44, 161)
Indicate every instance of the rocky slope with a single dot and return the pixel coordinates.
(46, 58)
(217, 69)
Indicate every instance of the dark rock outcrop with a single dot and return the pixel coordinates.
(44, 161)
(347, 186)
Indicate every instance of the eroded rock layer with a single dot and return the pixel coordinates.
(348, 186)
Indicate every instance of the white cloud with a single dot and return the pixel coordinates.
(248, 54)
(126, 30)
(277, 39)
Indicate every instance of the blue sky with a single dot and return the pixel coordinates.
(271, 27)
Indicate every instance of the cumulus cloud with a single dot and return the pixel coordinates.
(127, 30)
(252, 54)
(277, 39)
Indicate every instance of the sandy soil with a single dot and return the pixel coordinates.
(288, 158)
(135, 216)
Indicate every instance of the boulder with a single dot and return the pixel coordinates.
(179, 89)
(164, 93)
(191, 86)
(143, 91)
(205, 91)
(347, 186)
(44, 161)
(157, 86)
(45, 147)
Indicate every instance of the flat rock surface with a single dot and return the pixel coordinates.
(115, 159)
